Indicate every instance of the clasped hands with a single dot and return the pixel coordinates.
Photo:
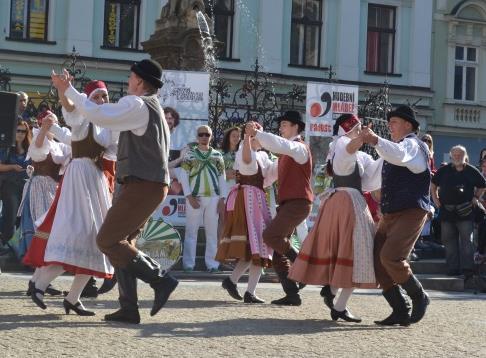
(367, 135)
(61, 81)
(252, 128)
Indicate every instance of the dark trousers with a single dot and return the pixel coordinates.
(394, 240)
(132, 206)
(277, 234)
(11, 195)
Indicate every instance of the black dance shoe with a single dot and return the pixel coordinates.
(124, 316)
(90, 290)
(53, 291)
(39, 302)
(345, 315)
(293, 300)
(249, 298)
(231, 288)
(68, 306)
(30, 288)
(326, 293)
(107, 285)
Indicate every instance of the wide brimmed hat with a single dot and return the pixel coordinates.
(406, 113)
(148, 70)
(293, 117)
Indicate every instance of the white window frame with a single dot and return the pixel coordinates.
(464, 63)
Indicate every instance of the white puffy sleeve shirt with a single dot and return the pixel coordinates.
(60, 152)
(343, 163)
(269, 168)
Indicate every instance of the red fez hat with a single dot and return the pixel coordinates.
(94, 86)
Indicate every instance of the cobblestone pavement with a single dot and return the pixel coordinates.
(200, 320)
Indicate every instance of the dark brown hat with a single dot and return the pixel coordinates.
(293, 117)
(406, 113)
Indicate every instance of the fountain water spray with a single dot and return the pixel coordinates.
(207, 44)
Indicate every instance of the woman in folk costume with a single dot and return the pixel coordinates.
(48, 161)
(69, 230)
(98, 95)
(338, 252)
(246, 216)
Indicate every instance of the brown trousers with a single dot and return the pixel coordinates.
(132, 207)
(394, 241)
(289, 215)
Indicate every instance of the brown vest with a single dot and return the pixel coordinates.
(47, 167)
(255, 180)
(294, 179)
(88, 147)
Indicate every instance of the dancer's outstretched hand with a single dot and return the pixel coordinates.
(251, 129)
(61, 81)
(368, 136)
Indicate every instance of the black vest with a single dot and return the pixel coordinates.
(401, 189)
(145, 156)
(352, 180)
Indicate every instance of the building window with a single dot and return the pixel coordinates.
(223, 13)
(305, 36)
(122, 20)
(380, 47)
(28, 19)
(465, 73)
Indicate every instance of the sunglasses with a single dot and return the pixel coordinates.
(204, 135)
(24, 131)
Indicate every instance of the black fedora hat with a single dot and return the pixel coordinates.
(148, 70)
(293, 117)
(406, 113)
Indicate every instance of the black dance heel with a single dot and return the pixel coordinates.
(68, 306)
(345, 315)
(40, 303)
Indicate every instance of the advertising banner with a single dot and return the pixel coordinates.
(187, 93)
(324, 103)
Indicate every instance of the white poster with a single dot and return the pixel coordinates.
(187, 93)
(324, 103)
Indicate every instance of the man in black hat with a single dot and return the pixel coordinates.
(405, 202)
(294, 195)
(142, 170)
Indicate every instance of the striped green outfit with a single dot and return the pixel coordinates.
(204, 170)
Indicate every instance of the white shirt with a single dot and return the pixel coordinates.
(406, 153)
(276, 144)
(60, 152)
(269, 168)
(344, 163)
(129, 114)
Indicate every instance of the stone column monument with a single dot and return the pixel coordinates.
(176, 42)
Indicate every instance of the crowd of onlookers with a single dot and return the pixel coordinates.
(204, 175)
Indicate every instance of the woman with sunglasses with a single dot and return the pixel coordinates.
(13, 165)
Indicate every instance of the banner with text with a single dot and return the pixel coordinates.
(187, 93)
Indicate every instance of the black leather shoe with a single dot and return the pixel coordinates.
(30, 288)
(53, 291)
(90, 290)
(400, 306)
(80, 311)
(326, 293)
(288, 301)
(39, 302)
(249, 298)
(124, 316)
(231, 288)
(107, 285)
(345, 315)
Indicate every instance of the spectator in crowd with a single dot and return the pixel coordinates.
(482, 157)
(427, 139)
(229, 147)
(480, 255)
(13, 165)
(178, 148)
(204, 184)
(456, 188)
(23, 100)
